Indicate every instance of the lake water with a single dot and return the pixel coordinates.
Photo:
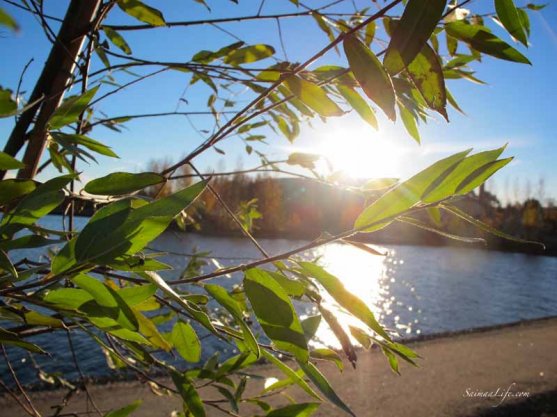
(412, 290)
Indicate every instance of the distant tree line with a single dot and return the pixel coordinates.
(272, 206)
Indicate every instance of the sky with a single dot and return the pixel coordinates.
(515, 107)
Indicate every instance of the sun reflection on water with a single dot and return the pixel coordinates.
(368, 277)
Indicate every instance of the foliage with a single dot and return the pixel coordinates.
(104, 282)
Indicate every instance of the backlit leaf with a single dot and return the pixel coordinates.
(511, 20)
(249, 54)
(119, 183)
(419, 20)
(347, 300)
(312, 96)
(286, 370)
(427, 74)
(409, 123)
(405, 195)
(455, 178)
(231, 305)
(7, 21)
(371, 75)
(186, 341)
(117, 40)
(482, 40)
(142, 12)
(71, 108)
(324, 386)
(275, 313)
(358, 104)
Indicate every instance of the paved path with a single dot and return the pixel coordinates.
(520, 358)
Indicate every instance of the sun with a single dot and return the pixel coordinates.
(359, 153)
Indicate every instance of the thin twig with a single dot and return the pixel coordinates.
(81, 376)
(18, 384)
(231, 214)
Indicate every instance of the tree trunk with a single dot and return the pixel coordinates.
(51, 85)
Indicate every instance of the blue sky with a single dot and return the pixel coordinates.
(517, 105)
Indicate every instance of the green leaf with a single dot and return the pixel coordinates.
(71, 108)
(109, 299)
(361, 336)
(313, 96)
(125, 411)
(479, 176)
(6, 264)
(328, 355)
(536, 7)
(93, 145)
(67, 298)
(119, 183)
(9, 162)
(310, 325)
(371, 75)
(393, 361)
(358, 104)
(511, 20)
(451, 183)
(249, 54)
(191, 308)
(7, 20)
(340, 334)
(8, 106)
(482, 40)
(188, 393)
(290, 374)
(123, 229)
(294, 410)
(275, 313)
(117, 40)
(487, 228)
(427, 74)
(305, 160)
(419, 20)
(37, 204)
(343, 297)
(186, 341)
(231, 305)
(9, 338)
(137, 294)
(292, 287)
(322, 23)
(27, 242)
(142, 12)
(524, 20)
(13, 188)
(405, 195)
(409, 123)
(370, 33)
(137, 264)
(323, 385)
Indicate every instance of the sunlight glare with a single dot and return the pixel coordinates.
(359, 153)
(363, 275)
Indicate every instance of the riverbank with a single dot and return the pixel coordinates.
(461, 375)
